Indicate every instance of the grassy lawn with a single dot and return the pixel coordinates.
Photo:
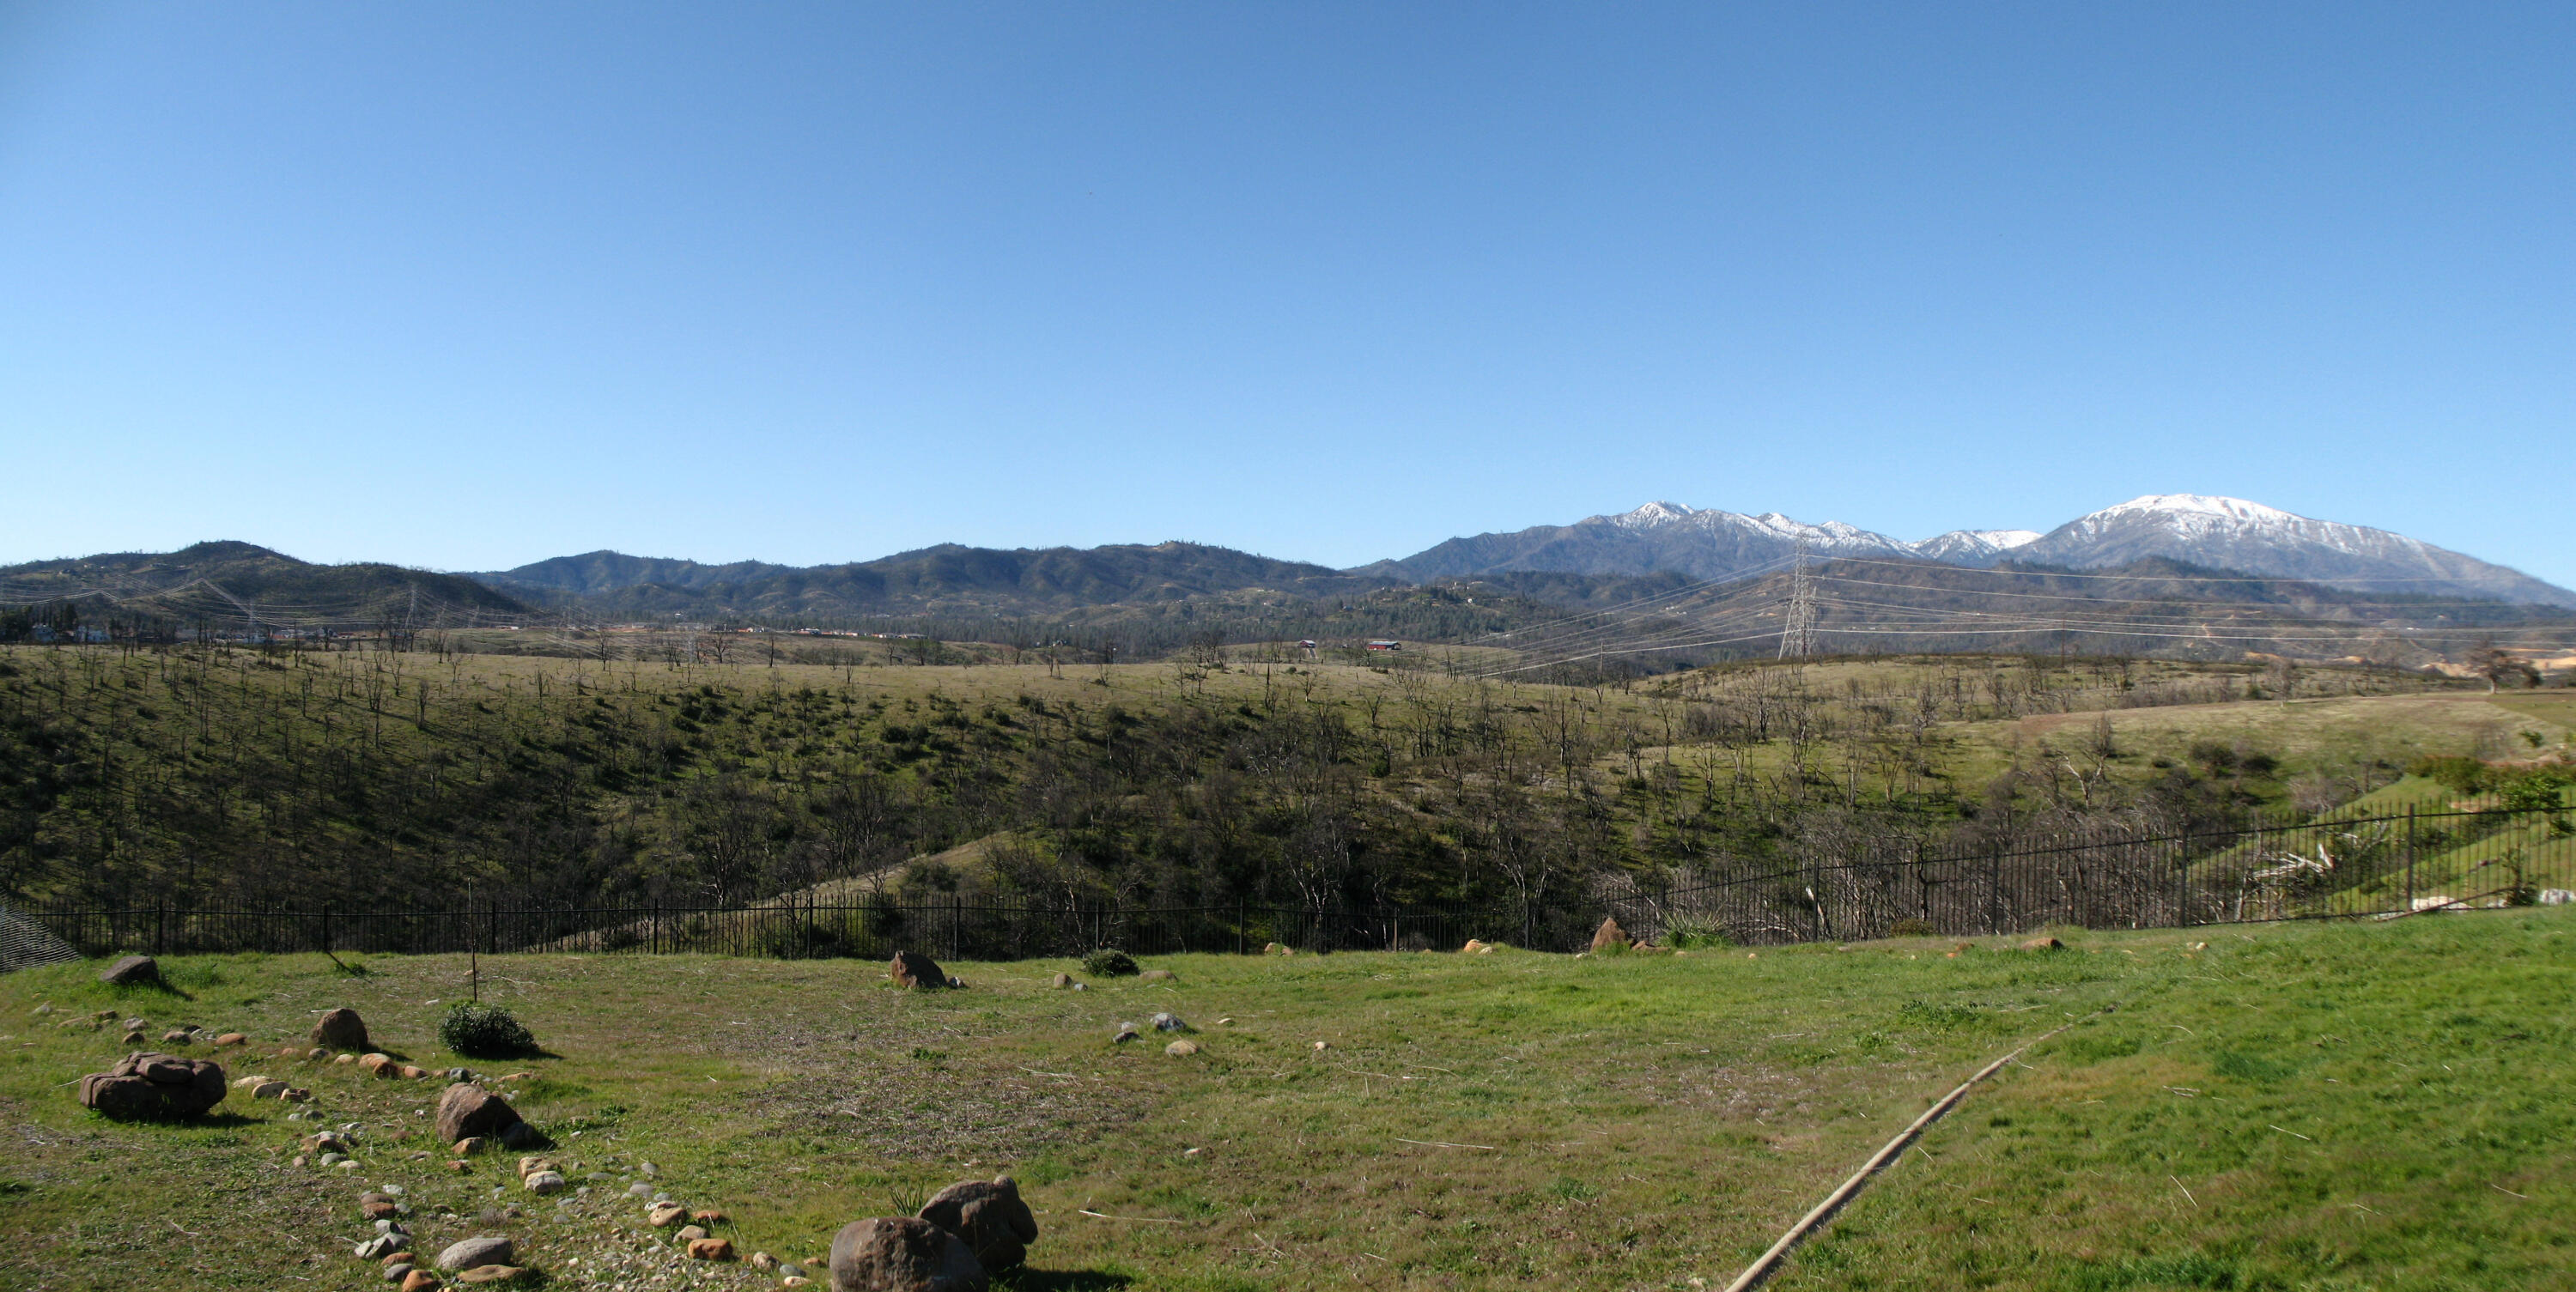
(2312, 1106)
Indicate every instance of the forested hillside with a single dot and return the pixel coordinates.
(227, 776)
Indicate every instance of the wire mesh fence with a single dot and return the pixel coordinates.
(26, 943)
(2380, 866)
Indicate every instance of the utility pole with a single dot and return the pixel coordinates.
(1798, 631)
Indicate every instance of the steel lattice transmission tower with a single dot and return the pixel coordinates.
(1798, 631)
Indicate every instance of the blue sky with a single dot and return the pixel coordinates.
(465, 286)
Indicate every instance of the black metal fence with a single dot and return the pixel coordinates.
(2376, 866)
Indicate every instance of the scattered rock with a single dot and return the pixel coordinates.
(1609, 934)
(341, 1029)
(902, 1254)
(376, 1206)
(411, 1073)
(664, 1215)
(989, 1217)
(458, 1167)
(2043, 944)
(419, 1281)
(1158, 975)
(1080, 987)
(469, 1146)
(518, 1135)
(709, 1216)
(471, 1112)
(271, 1090)
(1477, 947)
(137, 1038)
(382, 1246)
(489, 1249)
(1063, 981)
(397, 1271)
(794, 1281)
(1277, 949)
(2556, 897)
(153, 1086)
(544, 1182)
(1181, 1049)
(490, 1274)
(912, 970)
(689, 1234)
(178, 1036)
(1126, 1032)
(1169, 1023)
(711, 1249)
(132, 971)
(231, 1039)
(763, 1261)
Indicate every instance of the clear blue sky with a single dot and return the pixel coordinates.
(470, 285)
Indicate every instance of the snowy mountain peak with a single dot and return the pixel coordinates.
(1974, 546)
(2201, 529)
(2200, 505)
(1652, 514)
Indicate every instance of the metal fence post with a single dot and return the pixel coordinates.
(2410, 856)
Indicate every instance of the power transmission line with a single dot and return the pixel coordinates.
(1798, 630)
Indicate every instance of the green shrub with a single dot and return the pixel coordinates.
(1683, 933)
(1911, 928)
(1108, 962)
(2462, 774)
(485, 1032)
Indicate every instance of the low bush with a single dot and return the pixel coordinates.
(1108, 962)
(485, 1032)
(1911, 928)
(1683, 933)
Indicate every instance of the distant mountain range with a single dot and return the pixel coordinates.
(947, 579)
(2163, 546)
(236, 584)
(2218, 533)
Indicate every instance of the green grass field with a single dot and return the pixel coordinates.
(2324, 1106)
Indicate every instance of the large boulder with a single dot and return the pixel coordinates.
(474, 1253)
(341, 1029)
(469, 1111)
(1609, 935)
(132, 971)
(912, 969)
(154, 1086)
(990, 1217)
(902, 1254)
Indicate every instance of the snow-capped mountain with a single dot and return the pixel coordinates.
(1975, 546)
(2222, 533)
(2233, 534)
(1705, 544)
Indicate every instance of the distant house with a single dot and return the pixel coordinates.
(1386, 645)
